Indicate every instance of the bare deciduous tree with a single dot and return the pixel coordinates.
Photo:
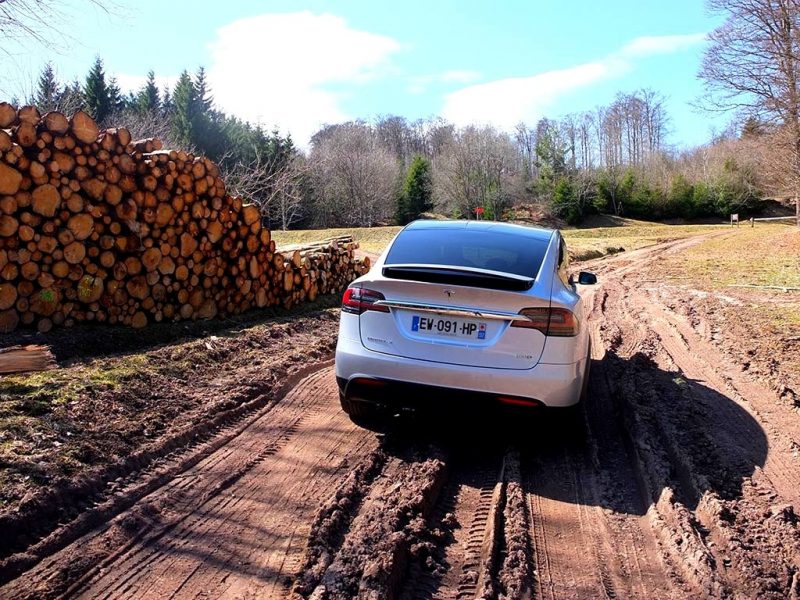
(525, 137)
(753, 65)
(40, 21)
(147, 124)
(631, 129)
(276, 185)
(397, 136)
(569, 132)
(355, 178)
(479, 167)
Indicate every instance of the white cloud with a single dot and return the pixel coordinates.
(460, 76)
(273, 69)
(421, 83)
(506, 102)
(661, 44)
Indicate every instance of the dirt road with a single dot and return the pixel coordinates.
(684, 486)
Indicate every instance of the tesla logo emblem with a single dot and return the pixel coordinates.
(449, 293)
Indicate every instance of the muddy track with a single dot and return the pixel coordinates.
(245, 509)
(680, 481)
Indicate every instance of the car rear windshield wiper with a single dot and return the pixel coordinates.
(458, 275)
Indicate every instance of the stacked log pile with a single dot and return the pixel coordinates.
(97, 227)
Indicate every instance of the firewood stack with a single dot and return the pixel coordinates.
(97, 227)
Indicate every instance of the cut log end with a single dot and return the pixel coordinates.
(83, 127)
(96, 227)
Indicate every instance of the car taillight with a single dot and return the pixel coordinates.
(512, 401)
(357, 300)
(555, 322)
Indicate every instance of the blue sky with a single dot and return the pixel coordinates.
(298, 65)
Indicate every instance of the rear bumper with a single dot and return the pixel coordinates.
(551, 385)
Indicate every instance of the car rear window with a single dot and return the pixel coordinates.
(481, 249)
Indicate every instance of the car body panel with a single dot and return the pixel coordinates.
(500, 346)
(504, 360)
(552, 385)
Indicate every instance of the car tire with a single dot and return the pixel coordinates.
(360, 413)
(585, 384)
(570, 423)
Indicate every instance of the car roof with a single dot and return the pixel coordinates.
(537, 233)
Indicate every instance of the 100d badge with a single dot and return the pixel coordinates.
(449, 327)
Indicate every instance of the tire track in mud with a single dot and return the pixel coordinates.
(459, 521)
(587, 532)
(222, 525)
(481, 525)
(698, 359)
(587, 501)
(700, 445)
(243, 542)
(333, 520)
(479, 554)
(370, 559)
(659, 470)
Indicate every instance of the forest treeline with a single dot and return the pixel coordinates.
(613, 159)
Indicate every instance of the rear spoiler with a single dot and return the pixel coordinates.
(457, 275)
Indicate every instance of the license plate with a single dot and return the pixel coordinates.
(448, 327)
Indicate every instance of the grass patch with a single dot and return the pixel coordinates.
(766, 255)
(61, 386)
(627, 235)
(370, 239)
(36, 422)
(584, 244)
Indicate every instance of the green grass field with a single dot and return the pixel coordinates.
(766, 255)
(629, 234)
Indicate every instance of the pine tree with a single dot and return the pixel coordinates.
(203, 92)
(96, 92)
(48, 90)
(185, 111)
(417, 195)
(565, 201)
(147, 100)
(207, 124)
(167, 106)
(116, 101)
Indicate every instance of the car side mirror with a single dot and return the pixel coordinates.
(586, 278)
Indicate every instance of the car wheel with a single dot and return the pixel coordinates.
(361, 413)
(569, 423)
(585, 385)
(571, 420)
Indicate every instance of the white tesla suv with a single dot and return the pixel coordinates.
(464, 312)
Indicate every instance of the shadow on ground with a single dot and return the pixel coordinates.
(641, 429)
(92, 340)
